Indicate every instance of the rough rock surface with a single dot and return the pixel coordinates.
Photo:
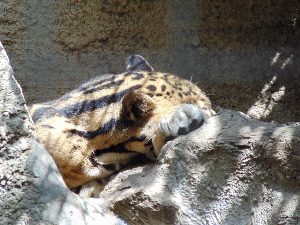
(31, 188)
(232, 47)
(233, 170)
(15, 137)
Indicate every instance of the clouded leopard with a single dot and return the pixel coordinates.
(97, 128)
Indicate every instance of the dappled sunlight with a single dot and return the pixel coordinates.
(255, 133)
(275, 205)
(284, 136)
(274, 202)
(289, 207)
(294, 21)
(234, 191)
(167, 157)
(196, 172)
(287, 61)
(284, 133)
(221, 191)
(266, 101)
(266, 205)
(283, 63)
(155, 187)
(275, 58)
(248, 173)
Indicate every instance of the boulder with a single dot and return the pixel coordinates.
(233, 170)
(31, 189)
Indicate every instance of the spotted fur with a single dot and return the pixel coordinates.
(94, 130)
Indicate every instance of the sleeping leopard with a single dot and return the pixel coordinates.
(96, 129)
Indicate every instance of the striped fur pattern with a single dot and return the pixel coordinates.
(99, 127)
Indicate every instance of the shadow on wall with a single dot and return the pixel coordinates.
(248, 43)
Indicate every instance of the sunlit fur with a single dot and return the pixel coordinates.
(108, 120)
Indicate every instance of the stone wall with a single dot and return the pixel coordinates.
(231, 48)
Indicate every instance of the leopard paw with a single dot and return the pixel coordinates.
(185, 119)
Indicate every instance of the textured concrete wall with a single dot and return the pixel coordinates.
(232, 48)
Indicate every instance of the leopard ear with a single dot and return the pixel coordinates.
(137, 109)
(136, 63)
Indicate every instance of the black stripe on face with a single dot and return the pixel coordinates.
(113, 149)
(140, 139)
(104, 129)
(136, 139)
(118, 149)
(104, 86)
(41, 113)
(88, 106)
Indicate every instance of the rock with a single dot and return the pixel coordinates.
(31, 189)
(233, 170)
(143, 210)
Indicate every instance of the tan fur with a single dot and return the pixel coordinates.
(62, 129)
